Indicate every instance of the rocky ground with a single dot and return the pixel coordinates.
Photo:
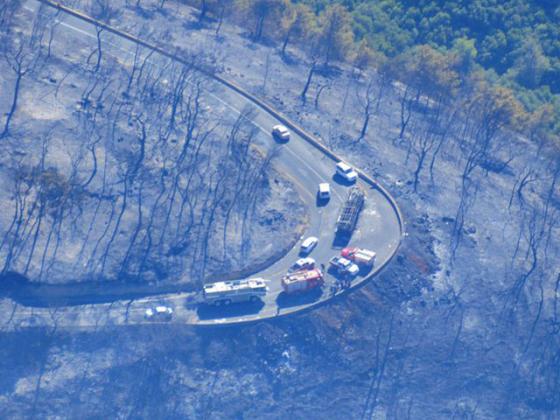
(458, 326)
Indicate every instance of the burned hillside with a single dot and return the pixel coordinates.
(131, 172)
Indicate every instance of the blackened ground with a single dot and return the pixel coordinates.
(434, 336)
(129, 170)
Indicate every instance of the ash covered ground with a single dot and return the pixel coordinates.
(464, 322)
(131, 172)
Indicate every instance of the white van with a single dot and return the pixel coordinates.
(308, 244)
(346, 172)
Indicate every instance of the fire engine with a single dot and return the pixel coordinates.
(303, 280)
(227, 292)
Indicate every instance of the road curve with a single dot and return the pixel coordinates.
(306, 162)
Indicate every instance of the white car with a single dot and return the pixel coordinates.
(346, 172)
(308, 244)
(281, 133)
(163, 313)
(324, 191)
(306, 263)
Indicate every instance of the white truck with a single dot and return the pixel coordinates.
(344, 266)
(360, 256)
(227, 292)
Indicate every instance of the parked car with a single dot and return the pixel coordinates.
(346, 171)
(306, 263)
(159, 313)
(324, 191)
(308, 244)
(281, 133)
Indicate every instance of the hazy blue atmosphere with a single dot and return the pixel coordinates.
(279, 209)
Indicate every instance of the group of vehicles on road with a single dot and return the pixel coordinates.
(303, 275)
(351, 260)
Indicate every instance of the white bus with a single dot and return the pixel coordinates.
(227, 292)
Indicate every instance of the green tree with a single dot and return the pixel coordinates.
(365, 56)
(531, 63)
(262, 12)
(296, 23)
(465, 53)
(492, 49)
(335, 38)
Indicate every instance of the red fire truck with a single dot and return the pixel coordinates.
(303, 280)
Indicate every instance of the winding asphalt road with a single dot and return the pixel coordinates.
(306, 164)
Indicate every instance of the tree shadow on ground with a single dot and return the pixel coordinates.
(328, 71)
(340, 241)
(289, 59)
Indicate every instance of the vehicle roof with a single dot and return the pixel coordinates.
(280, 127)
(303, 275)
(344, 166)
(224, 286)
(324, 186)
(308, 241)
(362, 251)
(305, 260)
(341, 260)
